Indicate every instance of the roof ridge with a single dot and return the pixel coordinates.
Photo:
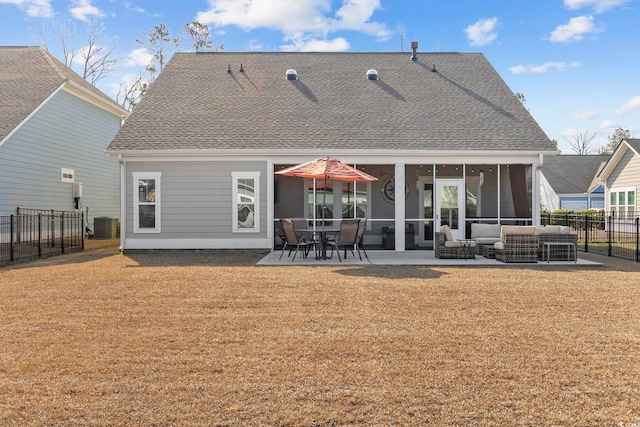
(48, 57)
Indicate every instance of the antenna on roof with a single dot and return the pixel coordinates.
(414, 50)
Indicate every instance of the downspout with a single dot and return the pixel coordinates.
(123, 202)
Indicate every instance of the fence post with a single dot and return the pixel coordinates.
(52, 226)
(18, 228)
(637, 238)
(609, 233)
(62, 232)
(82, 228)
(11, 230)
(586, 232)
(39, 235)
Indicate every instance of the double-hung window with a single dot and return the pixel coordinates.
(246, 198)
(623, 201)
(146, 202)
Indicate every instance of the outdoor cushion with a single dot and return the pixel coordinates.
(485, 230)
(458, 244)
(516, 229)
(447, 233)
(552, 229)
(486, 240)
(548, 229)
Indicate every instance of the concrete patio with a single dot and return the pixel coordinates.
(417, 257)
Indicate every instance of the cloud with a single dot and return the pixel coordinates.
(584, 115)
(543, 68)
(33, 8)
(629, 106)
(598, 6)
(574, 30)
(482, 32)
(608, 124)
(301, 22)
(138, 58)
(83, 9)
(133, 8)
(336, 45)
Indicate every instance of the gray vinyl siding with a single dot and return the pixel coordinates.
(196, 199)
(66, 132)
(625, 174)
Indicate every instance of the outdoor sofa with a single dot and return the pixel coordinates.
(527, 244)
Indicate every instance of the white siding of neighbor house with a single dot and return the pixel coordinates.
(66, 132)
(625, 174)
(196, 206)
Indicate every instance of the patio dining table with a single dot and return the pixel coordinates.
(324, 232)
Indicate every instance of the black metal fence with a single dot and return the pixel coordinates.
(33, 233)
(605, 234)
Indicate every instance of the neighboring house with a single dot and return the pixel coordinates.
(443, 130)
(569, 182)
(621, 179)
(54, 128)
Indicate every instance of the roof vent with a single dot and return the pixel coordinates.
(292, 75)
(414, 50)
(372, 75)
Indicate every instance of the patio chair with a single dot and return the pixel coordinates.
(292, 238)
(360, 239)
(446, 247)
(347, 237)
(517, 244)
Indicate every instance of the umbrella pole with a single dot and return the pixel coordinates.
(314, 205)
(324, 200)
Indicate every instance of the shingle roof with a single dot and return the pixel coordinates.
(634, 143)
(28, 75)
(197, 104)
(572, 174)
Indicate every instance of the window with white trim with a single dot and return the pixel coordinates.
(622, 201)
(246, 202)
(146, 202)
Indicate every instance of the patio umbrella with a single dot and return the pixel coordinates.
(329, 169)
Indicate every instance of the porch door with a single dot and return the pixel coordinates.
(425, 211)
(450, 203)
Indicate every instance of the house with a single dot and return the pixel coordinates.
(54, 128)
(569, 182)
(447, 139)
(621, 179)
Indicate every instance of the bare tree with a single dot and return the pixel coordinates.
(581, 141)
(402, 32)
(130, 93)
(97, 58)
(160, 42)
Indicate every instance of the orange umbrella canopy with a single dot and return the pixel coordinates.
(327, 168)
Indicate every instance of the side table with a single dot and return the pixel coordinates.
(546, 247)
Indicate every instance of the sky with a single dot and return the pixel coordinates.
(575, 61)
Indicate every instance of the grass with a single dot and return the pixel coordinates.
(208, 338)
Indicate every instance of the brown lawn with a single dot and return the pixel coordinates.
(208, 338)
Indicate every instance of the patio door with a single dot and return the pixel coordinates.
(450, 203)
(425, 211)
